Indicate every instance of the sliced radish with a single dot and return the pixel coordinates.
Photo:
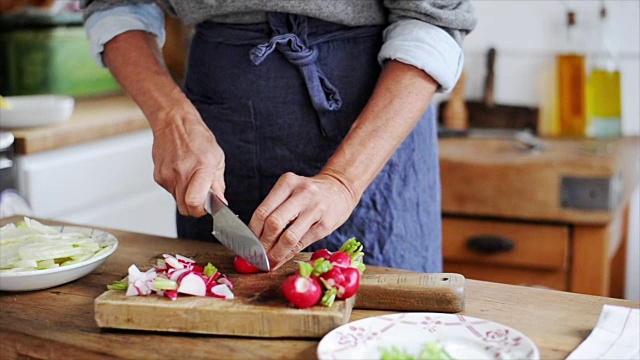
(184, 259)
(224, 280)
(134, 275)
(221, 291)
(174, 263)
(176, 274)
(211, 283)
(193, 284)
(171, 294)
(180, 273)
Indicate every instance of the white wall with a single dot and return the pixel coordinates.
(526, 35)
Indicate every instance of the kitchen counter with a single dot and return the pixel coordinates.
(92, 119)
(59, 323)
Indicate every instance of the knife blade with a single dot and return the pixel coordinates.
(235, 234)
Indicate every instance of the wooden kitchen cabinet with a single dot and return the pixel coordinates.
(554, 218)
(507, 252)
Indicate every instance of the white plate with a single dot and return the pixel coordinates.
(36, 110)
(42, 279)
(463, 337)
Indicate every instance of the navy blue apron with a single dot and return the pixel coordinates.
(279, 97)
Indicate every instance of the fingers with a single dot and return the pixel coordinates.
(297, 236)
(196, 193)
(277, 196)
(296, 213)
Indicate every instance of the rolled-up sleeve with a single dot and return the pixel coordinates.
(428, 34)
(102, 26)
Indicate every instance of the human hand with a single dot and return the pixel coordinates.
(300, 211)
(188, 160)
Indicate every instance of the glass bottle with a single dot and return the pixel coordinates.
(571, 81)
(603, 88)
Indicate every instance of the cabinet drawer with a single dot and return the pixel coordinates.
(497, 243)
(553, 279)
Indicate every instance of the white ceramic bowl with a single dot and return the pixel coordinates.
(42, 279)
(36, 110)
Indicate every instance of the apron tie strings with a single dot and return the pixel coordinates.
(290, 39)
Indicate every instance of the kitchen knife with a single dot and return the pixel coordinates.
(234, 234)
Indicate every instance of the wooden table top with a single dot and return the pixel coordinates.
(59, 322)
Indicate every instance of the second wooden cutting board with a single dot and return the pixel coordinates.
(260, 310)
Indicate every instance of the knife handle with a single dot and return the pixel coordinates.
(437, 292)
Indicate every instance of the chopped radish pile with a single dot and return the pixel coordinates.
(326, 276)
(175, 275)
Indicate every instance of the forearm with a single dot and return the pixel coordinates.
(135, 60)
(399, 100)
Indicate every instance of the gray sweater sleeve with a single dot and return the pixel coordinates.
(454, 16)
(93, 6)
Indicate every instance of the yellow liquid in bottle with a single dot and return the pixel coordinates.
(571, 94)
(603, 103)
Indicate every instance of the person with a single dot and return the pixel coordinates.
(310, 119)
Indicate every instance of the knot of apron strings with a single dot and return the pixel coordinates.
(290, 38)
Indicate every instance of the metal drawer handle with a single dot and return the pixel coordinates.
(490, 244)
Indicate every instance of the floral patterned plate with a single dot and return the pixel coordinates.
(463, 337)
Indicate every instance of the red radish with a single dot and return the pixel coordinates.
(221, 291)
(341, 282)
(173, 263)
(243, 266)
(193, 284)
(300, 289)
(171, 294)
(353, 248)
(340, 258)
(351, 282)
(176, 274)
(320, 266)
(140, 283)
(184, 259)
(322, 253)
(224, 280)
(173, 275)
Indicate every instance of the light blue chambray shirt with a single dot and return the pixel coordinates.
(414, 42)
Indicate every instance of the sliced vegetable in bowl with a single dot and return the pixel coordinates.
(36, 256)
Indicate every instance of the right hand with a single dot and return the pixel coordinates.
(188, 160)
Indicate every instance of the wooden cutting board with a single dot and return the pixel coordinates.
(260, 310)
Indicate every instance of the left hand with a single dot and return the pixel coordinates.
(300, 211)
